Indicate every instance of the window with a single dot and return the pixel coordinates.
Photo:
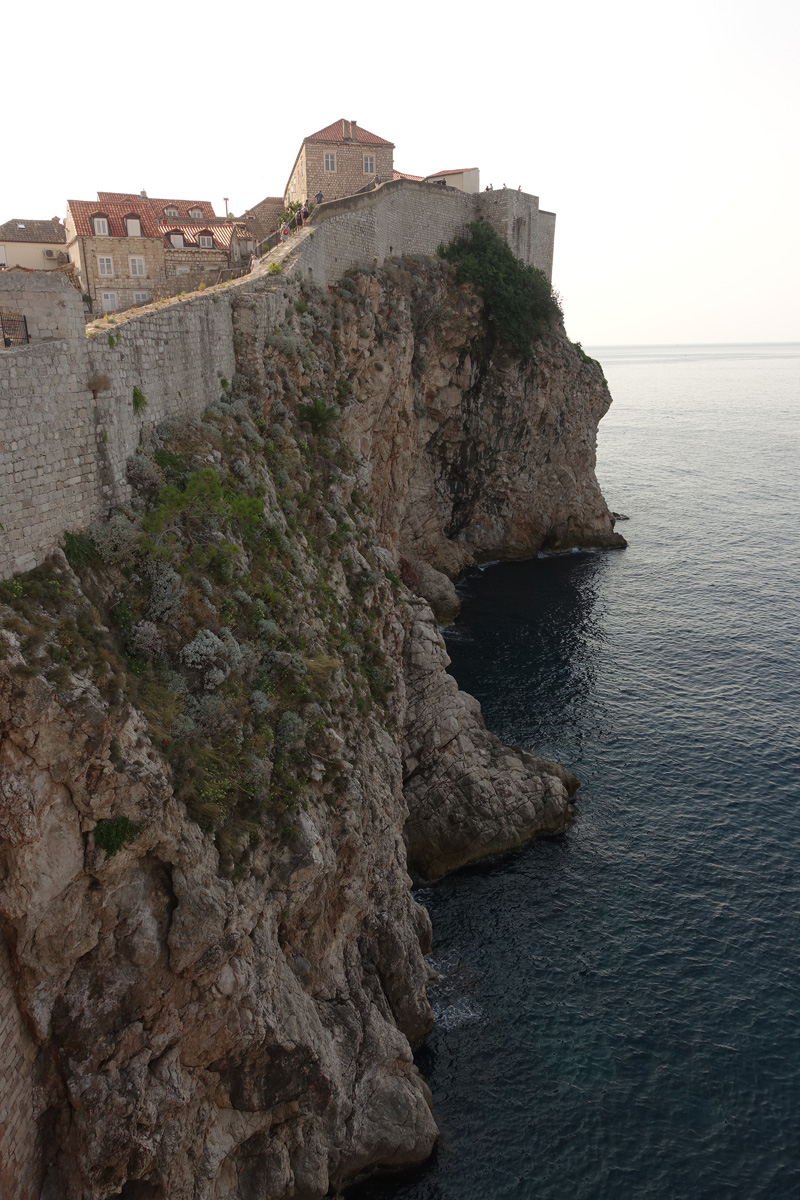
(170, 212)
(181, 270)
(141, 297)
(176, 240)
(100, 226)
(136, 263)
(109, 301)
(196, 212)
(206, 242)
(369, 164)
(330, 162)
(105, 266)
(133, 226)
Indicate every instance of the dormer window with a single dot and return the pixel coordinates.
(171, 211)
(100, 226)
(176, 241)
(133, 227)
(196, 212)
(206, 241)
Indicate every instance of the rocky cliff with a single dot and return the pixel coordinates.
(228, 735)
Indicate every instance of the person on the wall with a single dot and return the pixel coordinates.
(305, 210)
(319, 197)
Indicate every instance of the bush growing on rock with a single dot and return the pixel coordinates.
(518, 298)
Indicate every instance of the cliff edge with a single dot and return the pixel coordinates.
(228, 734)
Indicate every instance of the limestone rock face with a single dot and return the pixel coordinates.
(246, 1035)
(219, 1040)
(473, 456)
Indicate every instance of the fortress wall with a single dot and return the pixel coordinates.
(64, 445)
(48, 466)
(44, 300)
(404, 217)
(21, 1160)
(63, 451)
(398, 218)
(545, 242)
(177, 357)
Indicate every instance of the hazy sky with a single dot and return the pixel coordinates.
(664, 137)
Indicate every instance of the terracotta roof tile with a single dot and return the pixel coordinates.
(222, 232)
(21, 229)
(82, 212)
(157, 206)
(117, 205)
(405, 175)
(347, 131)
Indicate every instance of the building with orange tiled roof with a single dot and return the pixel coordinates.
(466, 179)
(338, 161)
(126, 245)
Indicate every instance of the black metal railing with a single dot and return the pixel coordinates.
(14, 329)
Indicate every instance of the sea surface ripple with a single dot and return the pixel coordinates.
(619, 1007)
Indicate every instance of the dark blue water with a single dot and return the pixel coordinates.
(619, 1009)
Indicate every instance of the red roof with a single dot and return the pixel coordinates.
(405, 175)
(150, 211)
(221, 233)
(347, 131)
(158, 206)
(82, 212)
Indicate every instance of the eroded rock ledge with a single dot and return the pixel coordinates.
(225, 1003)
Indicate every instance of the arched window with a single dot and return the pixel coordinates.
(133, 226)
(196, 212)
(170, 211)
(100, 226)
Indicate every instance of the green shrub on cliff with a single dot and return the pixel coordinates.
(114, 833)
(519, 300)
(318, 415)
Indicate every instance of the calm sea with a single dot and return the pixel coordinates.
(619, 1007)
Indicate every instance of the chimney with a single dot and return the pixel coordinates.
(56, 220)
(143, 194)
(354, 130)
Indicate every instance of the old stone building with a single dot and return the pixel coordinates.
(126, 246)
(338, 161)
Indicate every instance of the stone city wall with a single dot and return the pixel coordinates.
(405, 217)
(63, 448)
(67, 424)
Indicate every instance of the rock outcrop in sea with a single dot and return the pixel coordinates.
(229, 740)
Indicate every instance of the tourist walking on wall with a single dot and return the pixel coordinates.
(319, 197)
(304, 210)
(298, 219)
(285, 231)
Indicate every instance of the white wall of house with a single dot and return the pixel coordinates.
(30, 254)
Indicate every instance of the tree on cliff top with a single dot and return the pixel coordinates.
(520, 302)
